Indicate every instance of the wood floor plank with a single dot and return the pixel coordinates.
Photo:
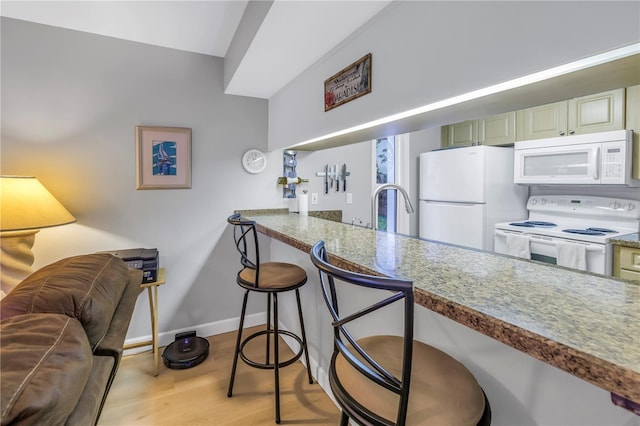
(198, 395)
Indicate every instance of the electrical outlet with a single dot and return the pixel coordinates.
(349, 198)
(314, 198)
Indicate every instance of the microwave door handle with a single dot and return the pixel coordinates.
(596, 163)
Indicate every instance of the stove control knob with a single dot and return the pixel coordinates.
(615, 205)
(534, 201)
(543, 201)
(631, 207)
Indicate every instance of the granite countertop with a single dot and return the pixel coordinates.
(585, 324)
(629, 240)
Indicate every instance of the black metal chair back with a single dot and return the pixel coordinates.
(346, 345)
(245, 237)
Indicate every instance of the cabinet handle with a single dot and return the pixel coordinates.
(561, 132)
(571, 132)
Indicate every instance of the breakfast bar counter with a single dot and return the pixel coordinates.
(587, 325)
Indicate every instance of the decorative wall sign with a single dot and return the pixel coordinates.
(163, 157)
(348, 84)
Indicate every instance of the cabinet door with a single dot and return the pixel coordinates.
(444, 136)
(629, 258)
(597, 113)
(544, 121)
(464, 133)
(629, 275)
(498, 129)
(626, 262)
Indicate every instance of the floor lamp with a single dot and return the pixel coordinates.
(26, 206)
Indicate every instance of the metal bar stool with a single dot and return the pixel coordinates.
(271, 278)
(393, 380)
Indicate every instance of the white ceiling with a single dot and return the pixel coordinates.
(293, 35)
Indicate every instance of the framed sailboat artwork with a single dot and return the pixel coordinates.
(163, 157)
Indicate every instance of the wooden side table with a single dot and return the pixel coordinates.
(152, 292)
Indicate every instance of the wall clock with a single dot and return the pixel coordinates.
(254, 161)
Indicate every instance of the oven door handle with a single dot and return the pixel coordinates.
(589, 247)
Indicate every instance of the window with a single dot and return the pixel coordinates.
(385, 173)
(391, 160)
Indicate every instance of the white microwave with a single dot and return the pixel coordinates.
(593, 159)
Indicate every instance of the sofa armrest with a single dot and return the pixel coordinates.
(117, 332)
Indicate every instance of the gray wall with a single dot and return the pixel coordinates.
(427, 51)
(70, 104)
(357, 158)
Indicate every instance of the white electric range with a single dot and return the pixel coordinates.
(569, 230)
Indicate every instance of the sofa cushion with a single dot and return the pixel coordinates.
(87, 287)
(46, 361)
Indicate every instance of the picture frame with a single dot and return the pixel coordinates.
(348, 84)
(163, 157)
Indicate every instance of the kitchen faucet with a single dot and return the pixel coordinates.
(374, 201)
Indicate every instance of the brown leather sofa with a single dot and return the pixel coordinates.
(61, 335)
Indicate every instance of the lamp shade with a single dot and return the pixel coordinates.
(26, 204)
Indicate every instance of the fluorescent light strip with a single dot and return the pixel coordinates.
(490, 90)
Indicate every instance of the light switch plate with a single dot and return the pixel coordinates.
(349, 198)
(314, 198)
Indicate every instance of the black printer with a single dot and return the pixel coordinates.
(140, 258)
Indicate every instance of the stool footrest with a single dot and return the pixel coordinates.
(267, 365)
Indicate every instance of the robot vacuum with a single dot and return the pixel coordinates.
(186, 351)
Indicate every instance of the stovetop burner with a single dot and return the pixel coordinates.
(590, 231)
(605, 230)
(533, 224)
(541, 223)
(583, 231)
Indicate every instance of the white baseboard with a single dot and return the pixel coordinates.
(202, 330)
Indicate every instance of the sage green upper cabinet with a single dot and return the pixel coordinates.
(462, 134)
(633, 109)
(544, 121)
(597, 113)
(498, 129)
(600, 112)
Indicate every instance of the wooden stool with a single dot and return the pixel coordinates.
(271, 278)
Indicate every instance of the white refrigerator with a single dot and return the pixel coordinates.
(464, 192)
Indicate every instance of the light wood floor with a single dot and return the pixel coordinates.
(198, 395)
